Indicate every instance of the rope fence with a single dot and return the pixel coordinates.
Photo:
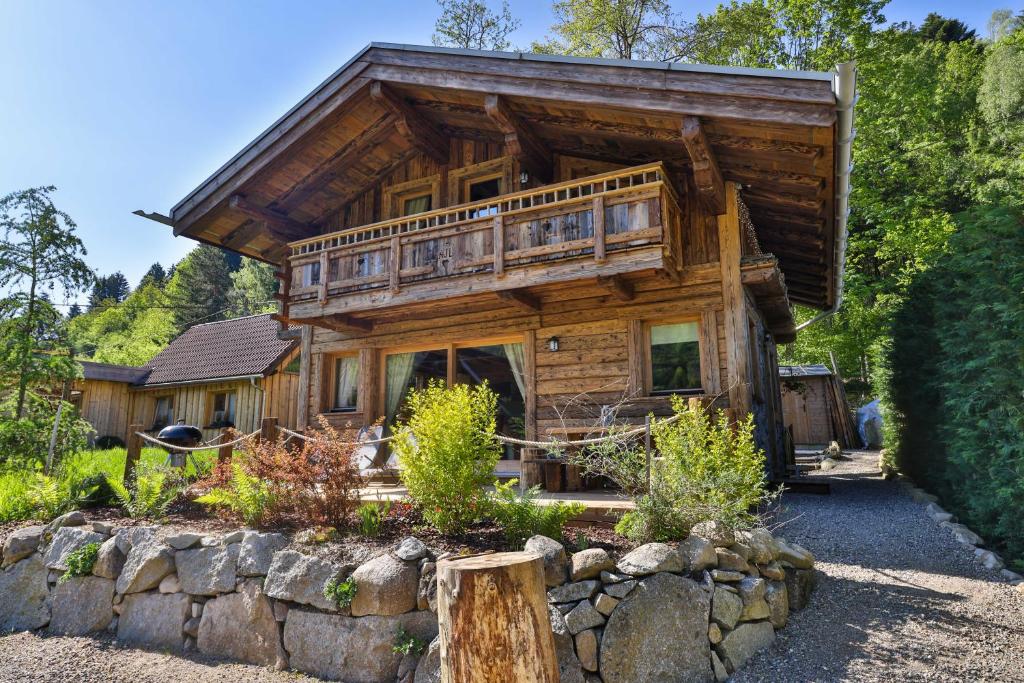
(191, 449)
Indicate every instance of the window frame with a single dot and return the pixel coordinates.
(648, 361)
(460, 179)
(156, 408)
(211, 408)
(393, 197)
(332, 383)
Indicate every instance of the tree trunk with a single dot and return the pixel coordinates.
(494, 622)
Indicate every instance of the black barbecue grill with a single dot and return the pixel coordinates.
(181, 435)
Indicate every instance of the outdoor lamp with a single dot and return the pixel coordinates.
(553, 344)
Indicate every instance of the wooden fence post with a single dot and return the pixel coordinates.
(268, 429)
(224, 452)
(493, 617)
(133, 451)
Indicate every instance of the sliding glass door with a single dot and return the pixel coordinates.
(412, 370)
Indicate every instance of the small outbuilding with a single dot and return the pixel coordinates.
(814, 408)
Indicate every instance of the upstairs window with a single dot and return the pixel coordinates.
(417, 204)
(346, 384)
(675, 358)
(311, 274)
(483, 190)
(222, 409)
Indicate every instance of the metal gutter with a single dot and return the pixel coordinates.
(845, 87)
(211, 380)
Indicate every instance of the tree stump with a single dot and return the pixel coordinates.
(494, 622)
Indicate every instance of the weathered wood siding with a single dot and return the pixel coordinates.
(282, 393)
(105, 406)
(805, 409)
(192, 403)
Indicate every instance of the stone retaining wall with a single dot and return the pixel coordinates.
(695, 611)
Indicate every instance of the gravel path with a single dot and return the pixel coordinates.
(898, 598)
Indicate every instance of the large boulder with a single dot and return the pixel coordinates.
(582, 617)
(67, 540)
(385, 586)
(300, 578)
(20, 544)
(793, 555)
(589, 563)
(761, 544)
(698, 554)
(726, 607)
(553, 553)
(154, 620)
(428, 670)
(719, 534)
(752, 593)
(109, 560)
(659, 633)
(569, 668)
(731, 562)
(24, 595)
(257, 552)
(126, 537)
(240, 626)
(82, 605)
(777, 598)
(799, 586)
(148, 562)
(744, 642)
(573, 592)
(651, 559)
(350, 649)
(207, 571)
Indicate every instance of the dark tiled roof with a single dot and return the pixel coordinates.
(113, 373)
(804, 371)
(230, 348)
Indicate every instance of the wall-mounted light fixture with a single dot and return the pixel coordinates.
(524, 178)
(553, 344)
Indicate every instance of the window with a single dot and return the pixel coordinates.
(311, 274)
(163, 415)
(417, 204)
(405, 371)
(346, 383)
(222, 409)
(482, 190)
(502, 366)
(675, 358)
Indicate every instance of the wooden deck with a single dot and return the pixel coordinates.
(602, 507)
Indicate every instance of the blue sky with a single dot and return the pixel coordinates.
(127, 105)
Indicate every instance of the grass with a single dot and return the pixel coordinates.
(16, 483)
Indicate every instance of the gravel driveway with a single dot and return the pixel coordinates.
(898, 599)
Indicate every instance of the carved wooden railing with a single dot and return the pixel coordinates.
(592, 217)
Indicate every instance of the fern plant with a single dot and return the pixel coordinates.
(49, 496)
(520, 516)
(154, 489)
(246, 496)
(372, 516)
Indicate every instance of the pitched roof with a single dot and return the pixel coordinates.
(804, 371)
(113, 373)
(243, 347)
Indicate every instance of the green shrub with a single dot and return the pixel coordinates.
(246, 495)
(81, 562)
(408, 644)
(155, 487)
(953, 374)
(15, 500)
(448, 452)
(705, 469)
(372, 516)
(341, 593)
(520, 517)
(26, 441)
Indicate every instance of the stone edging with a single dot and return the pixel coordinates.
(693, 611)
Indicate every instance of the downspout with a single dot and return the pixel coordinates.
(263, 399)
(845, 87)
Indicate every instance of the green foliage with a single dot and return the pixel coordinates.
(15, 497)
(448, 452)
(471, 24)
(252, 289)
(954, 372)
(341, 593)
(246, 495)
(408, 644)
(129, 333)
(623, 29)
(154, 488)
(26, 441)
(199, 289)
(81, 562)
(520, 516)
(372, 516)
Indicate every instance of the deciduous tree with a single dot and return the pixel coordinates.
(472, 24)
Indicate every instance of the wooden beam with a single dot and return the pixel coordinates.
(705, 169)
(417, 130)
(280, 227)
(238, 237)
(338, 202)
(617, 286)
(347, 323)
(520, 298)
(737, 347)
(520, 142)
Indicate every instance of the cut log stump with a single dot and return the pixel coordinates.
(494, 620)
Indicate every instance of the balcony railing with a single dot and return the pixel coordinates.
(599, 217)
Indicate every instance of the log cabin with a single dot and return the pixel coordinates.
(814, 407)
(230, 373)
(589, 236)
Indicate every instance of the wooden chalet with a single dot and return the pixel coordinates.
(586, 235)
(230, 373)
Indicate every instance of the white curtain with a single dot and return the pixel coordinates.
(347, 373)
(397, 374)
(516, 359)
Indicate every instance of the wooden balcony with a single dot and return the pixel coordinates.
(602, 226)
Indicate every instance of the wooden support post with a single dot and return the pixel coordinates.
(395, 264)
(268, 429)
(494, 623)
(736, 341)
(499, 246)
(133, 451)
(599, 234)
(224, 452)
(323, 277)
